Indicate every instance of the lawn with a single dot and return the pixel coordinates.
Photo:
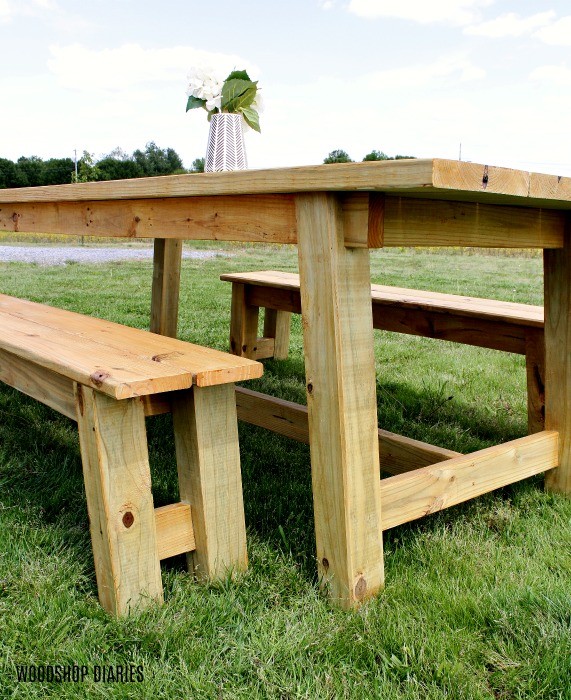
(478, 597)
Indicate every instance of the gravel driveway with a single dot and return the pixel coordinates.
(56, 255)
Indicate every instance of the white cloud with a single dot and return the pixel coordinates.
(29, 8)
(510, 24)
(132, 65)
(455, 67)
(557, 33)
(552, 75)
(325, 4)
(424, 11)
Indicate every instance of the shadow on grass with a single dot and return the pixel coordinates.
(40, 462)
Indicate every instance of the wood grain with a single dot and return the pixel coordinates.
(120, 361)
(340, 375)
(167, 261)
(119, 501)
(443, 179)
(410, 496)
(208, 458)
(175, 534)
(557, 280)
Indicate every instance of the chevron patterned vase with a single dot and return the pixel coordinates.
(225, 149)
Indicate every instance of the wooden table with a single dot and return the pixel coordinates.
(335, 214)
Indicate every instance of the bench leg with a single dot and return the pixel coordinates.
(277, 325)
(166, 286)
(557, 274)
(117, 479)
(341, 401)
(208, 458)
(535, 371)
(243, 323)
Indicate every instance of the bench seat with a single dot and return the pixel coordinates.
(108, 377)
(488, 323)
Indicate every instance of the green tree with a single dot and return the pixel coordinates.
(31, 171)
(377, 155)
(87, 170)
(7, 173)
(338, 156)
(58, 171)
(157, 161)
(197, 165)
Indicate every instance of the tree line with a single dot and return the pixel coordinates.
(31, 171)
(340, 156)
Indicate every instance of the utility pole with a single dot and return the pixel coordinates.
(75, 160)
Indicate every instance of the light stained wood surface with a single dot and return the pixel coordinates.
(399, 221)
(410, 496)
(167, 261)
(175, 534)
(209, 476)
(117, 481)
(557, 277)
(120, 361)
(521, 314)
(438, 178)
(340, 382)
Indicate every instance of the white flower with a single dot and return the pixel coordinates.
(258, 103)
(204, 84)
(214, 103)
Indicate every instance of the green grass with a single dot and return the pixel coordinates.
(478, 597)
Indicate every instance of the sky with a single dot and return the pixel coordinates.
(487, 81)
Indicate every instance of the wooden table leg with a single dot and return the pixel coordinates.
(119, 500)
(341, 397)
(557, 273)
(243, 323)
(208, 458)
(277, 325)
(535, 373)
(166, 285)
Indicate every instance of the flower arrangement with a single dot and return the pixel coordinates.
(235, 95)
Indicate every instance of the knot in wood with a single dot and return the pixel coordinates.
(128, 519)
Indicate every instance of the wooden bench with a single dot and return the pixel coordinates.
(108, 377)
(498, 325)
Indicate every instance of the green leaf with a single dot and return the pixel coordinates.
(237, 94)
(194, 102)
(252, 118)
(240, 74)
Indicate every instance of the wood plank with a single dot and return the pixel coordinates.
(167, 261)
(410, 496)
(264, 218)
(41, 384)
(523, 314)
(119, 501)
(340, 375)
(121, 361)
(175, 534)
(397, 453)
(264, 348)
(425, 222)
(405, 221)
(439, 178)
(243, 323)
(56, 391)
(277, 326)
(557, 279)
(535, 376)
(208, 458)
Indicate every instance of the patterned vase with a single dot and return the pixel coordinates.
(225, 149)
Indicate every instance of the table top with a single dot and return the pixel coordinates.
(429, 178)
